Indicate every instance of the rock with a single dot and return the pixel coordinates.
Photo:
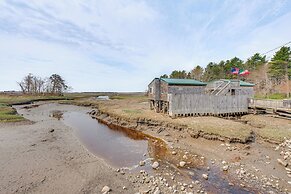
(155, 165)
(182, 164)
(145, 190)
(191, 173)
(282, 162)
(174, 153)
(157, 191)
(142, 163)
(185, 157)
(205, 176)
(182, 188)
(51, 131)
(247, 147)
(124, 188)
(223, 162)
(105, 189)
(225, 168)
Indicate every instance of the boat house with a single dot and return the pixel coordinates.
(188, 97)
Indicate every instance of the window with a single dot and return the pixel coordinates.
(151, 90)
(232, 92)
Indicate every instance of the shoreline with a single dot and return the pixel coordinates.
(69, 161)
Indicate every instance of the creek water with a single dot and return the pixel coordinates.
(117, 147)
(122, 147)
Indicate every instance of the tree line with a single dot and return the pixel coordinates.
(32, 84)
(279, 68)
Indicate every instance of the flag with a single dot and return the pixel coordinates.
(244, 72)
(235, 70)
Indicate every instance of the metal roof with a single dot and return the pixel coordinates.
(243, 83)
(191, 82)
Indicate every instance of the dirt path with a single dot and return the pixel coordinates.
(46, 157)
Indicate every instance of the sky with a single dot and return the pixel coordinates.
(121, 45)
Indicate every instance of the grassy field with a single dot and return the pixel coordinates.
(276, 96)
(8, 114)
(269, 128)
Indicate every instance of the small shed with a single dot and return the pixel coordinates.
(160, 88)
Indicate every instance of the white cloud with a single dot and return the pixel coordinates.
(122, 45)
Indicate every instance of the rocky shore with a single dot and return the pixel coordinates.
(233, 163)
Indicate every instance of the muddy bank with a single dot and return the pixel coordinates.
(239, 165)
(143, 124)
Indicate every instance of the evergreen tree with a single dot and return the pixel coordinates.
(280, 64)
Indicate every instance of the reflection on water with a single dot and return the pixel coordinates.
(117, 147)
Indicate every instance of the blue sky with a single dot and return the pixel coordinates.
(121, 45)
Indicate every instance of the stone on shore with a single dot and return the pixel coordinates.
(182, 164)
(205, 176)
(155, 165)
(282, 162)
(105, 189)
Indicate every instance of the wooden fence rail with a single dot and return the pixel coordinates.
(274, 104)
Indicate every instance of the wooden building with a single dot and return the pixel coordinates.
(160, 88)
(187, 97)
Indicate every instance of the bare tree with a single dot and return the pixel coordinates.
(26, 84)
(31, 84)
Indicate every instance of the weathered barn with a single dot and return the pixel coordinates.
(187, 97)
(160, 88)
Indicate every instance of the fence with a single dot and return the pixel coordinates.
(274, 104)
(203, 104)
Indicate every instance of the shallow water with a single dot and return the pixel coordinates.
(117, 147)
(218, 182)
(122, 147)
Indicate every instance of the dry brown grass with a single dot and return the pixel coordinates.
(274, 129)
(132, 108)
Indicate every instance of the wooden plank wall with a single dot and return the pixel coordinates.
(203, 104)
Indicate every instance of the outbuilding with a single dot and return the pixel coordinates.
(188, 97)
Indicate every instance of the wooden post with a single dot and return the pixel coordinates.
(287, 77)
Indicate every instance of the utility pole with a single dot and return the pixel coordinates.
(287, 76)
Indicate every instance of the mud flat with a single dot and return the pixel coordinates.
(46, 157)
